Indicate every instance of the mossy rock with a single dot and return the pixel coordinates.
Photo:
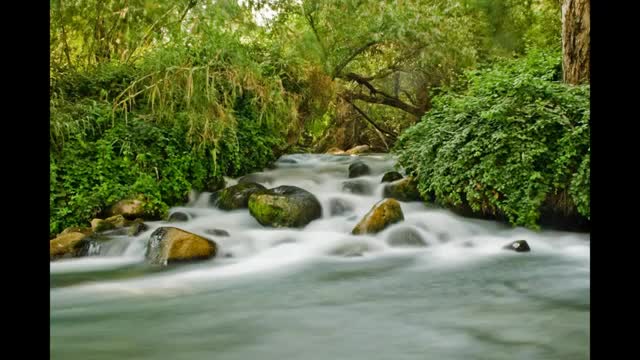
(169, 245)
(66, 245)
(110, 223)
(358, 168)
(236, 196)
(99, 225)
(132, 208)
(403, 190)
(391, 176)
(80, 229)
(360, 149)
(285, 206)
(384, 213)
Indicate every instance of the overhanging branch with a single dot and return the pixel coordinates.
(378, 96)
(370, 121)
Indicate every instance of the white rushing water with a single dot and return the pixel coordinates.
(468, 272)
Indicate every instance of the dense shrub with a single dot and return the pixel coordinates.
(512, 140)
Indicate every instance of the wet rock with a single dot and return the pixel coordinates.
(236, 196)
(217, 232)
(169, 245)
(518, 246)
(360, 149)
(287, 161)
(381, 215)
(110, 223)
(92, 244)
(339, 206)
(391, 176)
(406, 237)
(131, 209)
(285, 206)
(179, 216)
(360, 187)
(336, 151)
(79, 229)
(351, 250)
(358, 168)
(98, 225)
(403, 190)
(137, 227)
(256, 178)
(66, 245)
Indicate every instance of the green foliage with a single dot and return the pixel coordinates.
(513, 140)
(128, 159)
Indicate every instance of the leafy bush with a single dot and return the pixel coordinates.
(127, 159)
(514, 140)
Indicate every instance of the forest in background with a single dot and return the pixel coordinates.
(485, 102)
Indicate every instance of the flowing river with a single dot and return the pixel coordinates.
(322, 293)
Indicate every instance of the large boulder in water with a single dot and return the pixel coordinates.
(381, 215)
(360, 149)
(169, 244)
(66, 245)
(518, 246)
(391, 176)
(285, 206)
(358, 168)
(403, 190)
(236, 196)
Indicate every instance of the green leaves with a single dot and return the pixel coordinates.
(503, 145)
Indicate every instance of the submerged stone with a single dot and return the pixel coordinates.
(406, 237)
(360, 187)
(338, 206)
(217, 232)
(179, 216)
(391, 176)
(358, 168)
(518, 246)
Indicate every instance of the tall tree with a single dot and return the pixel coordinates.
(576, 43)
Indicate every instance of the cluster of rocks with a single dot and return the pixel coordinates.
(282, 206)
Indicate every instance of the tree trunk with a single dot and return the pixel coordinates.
(576, 43)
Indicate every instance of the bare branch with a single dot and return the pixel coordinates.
(378, 128)
(360, 50)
